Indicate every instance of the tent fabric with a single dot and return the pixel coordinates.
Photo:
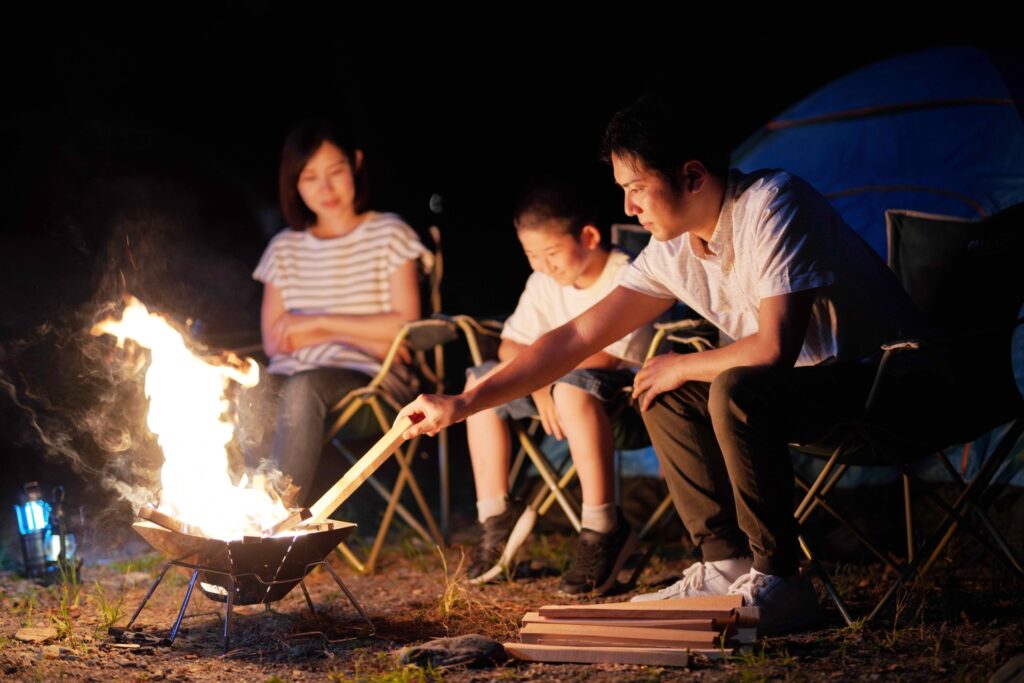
(936, 131)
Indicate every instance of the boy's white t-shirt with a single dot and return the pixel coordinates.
(545, 305)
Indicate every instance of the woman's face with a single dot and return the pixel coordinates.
(327, 181)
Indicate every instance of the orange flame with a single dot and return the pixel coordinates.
(187, 412)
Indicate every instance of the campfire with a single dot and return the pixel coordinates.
(239, 541)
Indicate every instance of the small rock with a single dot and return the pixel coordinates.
(56, 652)
(296, 673)
(39, 634)
(133, 578)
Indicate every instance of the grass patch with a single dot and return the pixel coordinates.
(148, 563)
(383, 667)
(108, 610)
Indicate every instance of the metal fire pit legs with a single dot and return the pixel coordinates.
(232, 580)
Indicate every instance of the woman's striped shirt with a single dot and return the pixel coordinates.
(349, 274)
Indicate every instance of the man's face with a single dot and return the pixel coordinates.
(661, 210)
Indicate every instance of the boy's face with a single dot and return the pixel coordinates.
(661, 210)
(561, 256)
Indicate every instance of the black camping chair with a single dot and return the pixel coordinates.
(955, 270)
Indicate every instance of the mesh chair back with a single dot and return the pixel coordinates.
(960, 273)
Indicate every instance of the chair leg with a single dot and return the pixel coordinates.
(382, 491)
(889, 562)
(908, 516)
(935, 544)
(983, 519)
(825, 581)
(656, 516)
(404, 463)
(826, 488)
(548, 497)
(549, 478)
(958, 520)
(404, 477)
(446, 494)
(343, 551)
(517, 464)
(815, 489)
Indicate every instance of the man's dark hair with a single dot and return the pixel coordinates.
(663, 132)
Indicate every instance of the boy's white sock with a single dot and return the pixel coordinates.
(489, 507)
(599, 518)
(733, 568)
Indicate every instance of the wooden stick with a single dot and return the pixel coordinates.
(164, 520)
(297, 517)
(571, 634)
(685, 624)
(359, 472)
(712, 607)
(595, 655)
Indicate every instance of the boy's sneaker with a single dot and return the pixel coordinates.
(787, 604)
(699, 579)
(598, 559)
(494, 533)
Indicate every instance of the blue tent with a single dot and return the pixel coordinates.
(938, 131)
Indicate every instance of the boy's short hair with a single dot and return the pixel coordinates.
(663, 132)
(556, 205)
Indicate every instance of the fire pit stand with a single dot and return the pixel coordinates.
(254, 571)
(233, 580)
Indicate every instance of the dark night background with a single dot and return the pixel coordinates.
(140, 151)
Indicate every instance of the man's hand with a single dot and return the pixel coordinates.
(432, 413)
(548, 414)
(658, 375)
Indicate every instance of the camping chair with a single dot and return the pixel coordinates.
(955, 271)
(371, 409)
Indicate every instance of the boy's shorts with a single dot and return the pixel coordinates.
(606, 385)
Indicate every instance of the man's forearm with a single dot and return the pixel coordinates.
(534, 366)
(749, 351)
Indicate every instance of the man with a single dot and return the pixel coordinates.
(765, 258)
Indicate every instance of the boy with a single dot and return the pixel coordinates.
(572, 271)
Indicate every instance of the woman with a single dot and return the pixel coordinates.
(338, 286)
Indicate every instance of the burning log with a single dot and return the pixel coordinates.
(356, 475)
(292, 520)
(166, 521)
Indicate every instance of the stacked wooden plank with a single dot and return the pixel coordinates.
(658, 633)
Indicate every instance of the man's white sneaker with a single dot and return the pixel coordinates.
(787, 604)
(699, 579)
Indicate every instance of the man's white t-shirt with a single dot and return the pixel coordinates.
(777, 235)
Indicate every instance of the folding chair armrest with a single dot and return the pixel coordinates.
(688, 324)
(473, 330)
(905, 345)
(889, 349)
(423, 335)
(673, 330)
